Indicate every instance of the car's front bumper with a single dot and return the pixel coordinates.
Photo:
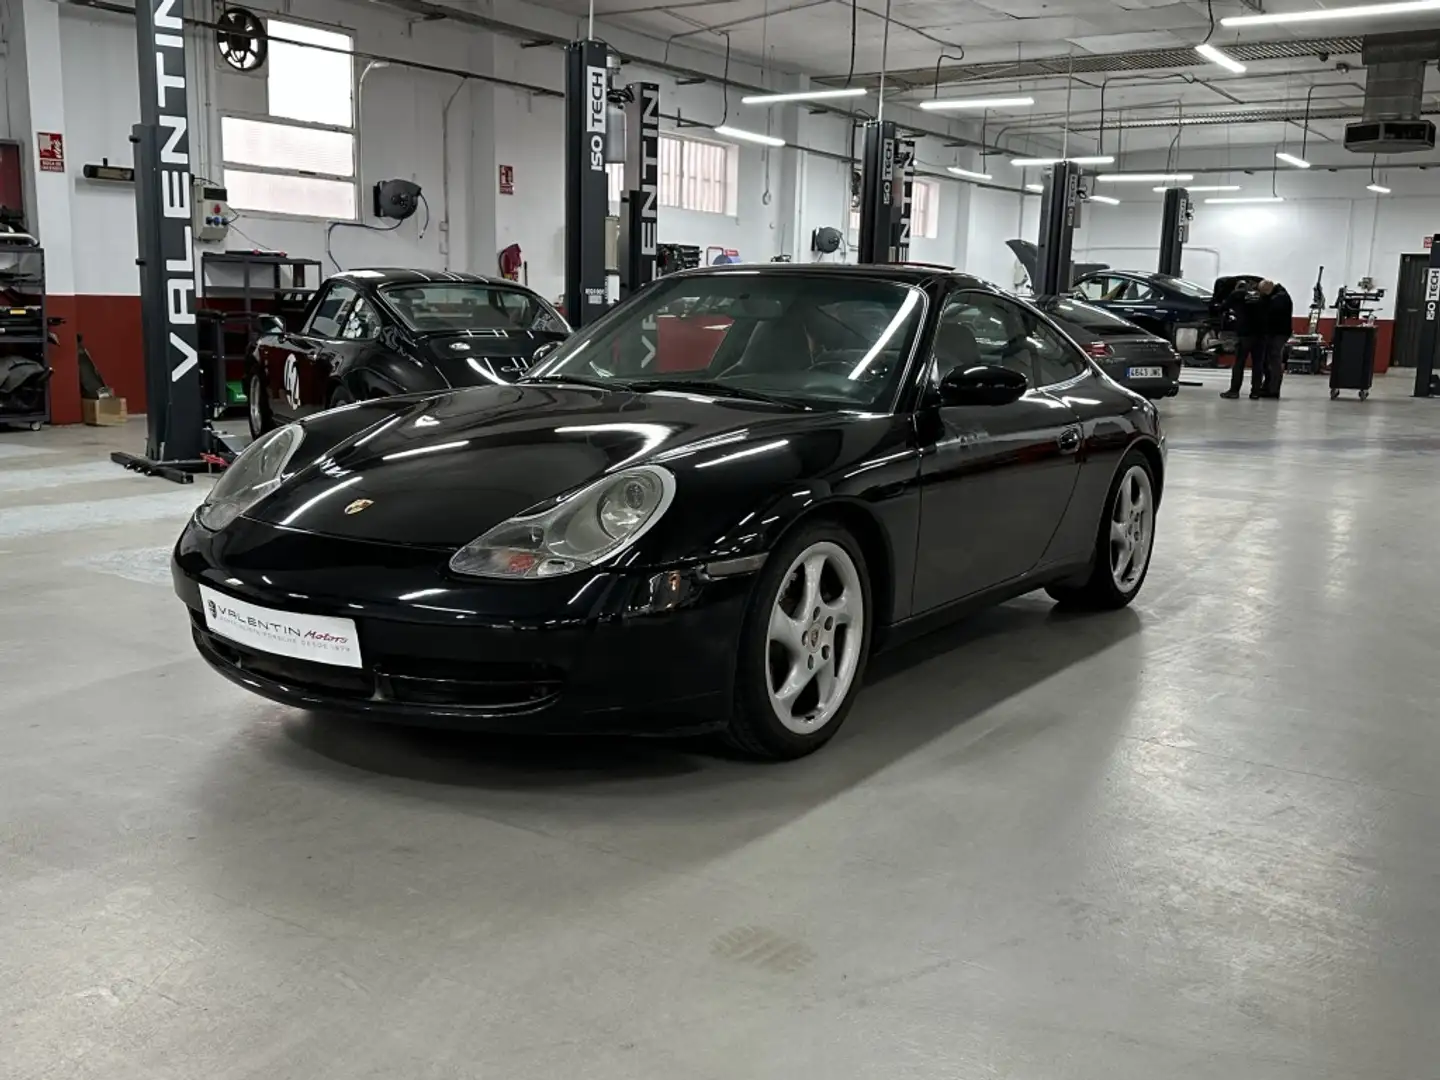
(649, 651)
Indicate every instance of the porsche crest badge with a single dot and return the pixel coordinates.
(358, 505)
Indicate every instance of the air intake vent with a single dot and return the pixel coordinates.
(1394, 85)
(1390, 136)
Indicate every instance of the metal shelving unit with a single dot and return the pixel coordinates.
(25, 322)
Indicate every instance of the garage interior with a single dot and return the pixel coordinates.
(1193, 837)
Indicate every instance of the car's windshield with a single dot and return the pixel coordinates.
(465, 305)
(1183, 287)
(823, 340)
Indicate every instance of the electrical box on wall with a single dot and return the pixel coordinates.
(211, 212)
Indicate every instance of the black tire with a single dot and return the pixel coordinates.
(339, 396)
(257, 407)
(1099, 591)
(754, 728)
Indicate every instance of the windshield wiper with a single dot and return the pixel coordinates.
(723, 390)
(578, 380)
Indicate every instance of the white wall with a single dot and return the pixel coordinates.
(1289, 241)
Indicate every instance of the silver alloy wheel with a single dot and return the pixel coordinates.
(817, 628)
(1132, 528)
(257, 416)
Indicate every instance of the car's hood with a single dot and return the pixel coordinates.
(485, 357)
(451, 466)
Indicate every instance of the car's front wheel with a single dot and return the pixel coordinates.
(804, 645)
(1123, 542)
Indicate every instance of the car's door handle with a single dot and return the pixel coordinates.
(1069, 440)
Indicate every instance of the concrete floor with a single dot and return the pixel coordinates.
(1194, 839)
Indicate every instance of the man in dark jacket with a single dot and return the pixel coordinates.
(1279, 325)
(1249, 306)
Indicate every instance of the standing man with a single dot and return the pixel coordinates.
(1249, 307)
(1279, 325)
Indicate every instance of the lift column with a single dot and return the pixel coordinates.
(1174, 230)
(1427, 363)
(587, 199)
(174, 412)
(904, 191)
(639, 217)
(1059, 218)
(882, 192)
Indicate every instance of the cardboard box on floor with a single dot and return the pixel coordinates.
(103, 412)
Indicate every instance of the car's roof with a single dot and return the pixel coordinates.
(909, 273)
(395, 275)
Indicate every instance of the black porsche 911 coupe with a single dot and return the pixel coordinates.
(1131, 355)
(374, 333)
(702, 512)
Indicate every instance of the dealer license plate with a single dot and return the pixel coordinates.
(321, 639)
(1147, 373)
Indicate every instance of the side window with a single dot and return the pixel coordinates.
(1093, 288)
(328, 315)
(1140, 291)
(1115, 288)
(1056, 360)
(978, 328)
(361, 323)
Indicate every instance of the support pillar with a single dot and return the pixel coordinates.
(1427, 363)
(586, 190)
(175, 419)
(640, 216)
(1174, 230)
(1059, 218)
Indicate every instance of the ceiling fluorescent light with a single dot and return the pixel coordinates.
(1363, 11)
(941, 104)
(1096, 159)
(967, 173)
(1249, 199)
(1034, 187)
(1215, 56)
(1379, 189)
(1144, 178)
(1291, 159)
(802, 95)
(1106, 199)
(1205, 187)
(748, 136)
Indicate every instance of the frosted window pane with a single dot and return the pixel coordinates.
(310, 84)
(282, 146)
(306, 196)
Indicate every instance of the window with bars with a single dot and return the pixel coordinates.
(695, 174)
(299, 159)
(924, 211)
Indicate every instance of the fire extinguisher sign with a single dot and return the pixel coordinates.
(50, 151)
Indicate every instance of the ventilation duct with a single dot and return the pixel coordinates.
(1394, 85)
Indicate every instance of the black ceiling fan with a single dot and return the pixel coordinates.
(240, 37)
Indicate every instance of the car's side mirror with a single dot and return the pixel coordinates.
(269, 324)
(984, 384)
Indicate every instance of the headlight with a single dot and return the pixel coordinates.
(254, 474)
(595, 523)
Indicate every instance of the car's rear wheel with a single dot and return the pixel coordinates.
(1123, 542)
(804, 645)
(258, 406)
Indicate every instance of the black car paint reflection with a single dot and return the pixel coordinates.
(954, 506)
(360, 337)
